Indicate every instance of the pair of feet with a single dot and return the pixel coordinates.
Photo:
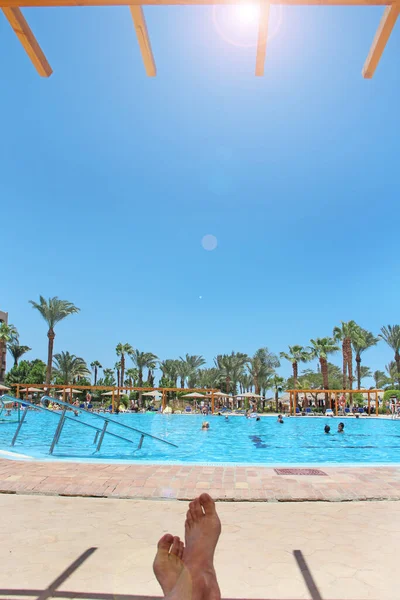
(185, 571)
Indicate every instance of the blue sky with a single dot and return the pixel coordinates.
(109, 180)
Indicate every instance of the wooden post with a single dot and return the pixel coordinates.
(336, 404)
(295, 404)
(64, 395)
(17, 393)
(369, 404)
(212, 402)
(70, 395)
(163, 400)
(290, 403)
(112, 401)
(377, 404)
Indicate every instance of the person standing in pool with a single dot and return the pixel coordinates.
(327, 429)
(340, 428)
(280, 419)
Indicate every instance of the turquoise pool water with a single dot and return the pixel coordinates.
(239, 440)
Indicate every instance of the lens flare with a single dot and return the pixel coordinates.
(238, 25)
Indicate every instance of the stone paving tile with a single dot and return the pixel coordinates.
(175, 481)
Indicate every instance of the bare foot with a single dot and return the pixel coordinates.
(168, 564)
(202, 530)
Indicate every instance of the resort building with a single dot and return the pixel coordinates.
(3, 349)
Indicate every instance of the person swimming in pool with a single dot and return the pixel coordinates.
(340, 428)
(205, 425)
(280, 419)
(327, 429)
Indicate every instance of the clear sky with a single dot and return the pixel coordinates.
(109, 180)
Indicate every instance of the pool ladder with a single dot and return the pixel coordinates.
(100, 432)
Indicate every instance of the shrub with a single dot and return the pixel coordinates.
(390, 393)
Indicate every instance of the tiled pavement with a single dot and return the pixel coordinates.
(185, 482)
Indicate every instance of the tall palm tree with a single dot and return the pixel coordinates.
(209, 378)
(53, 311)
(276, 383)
(194, 362)
(365, 372)
(121, 350)
(117, 367)
(347, 333)
(380, 379)
(231, 367)
(261, 366)
(393, 374)
(95, 366)
(246, 382)
(321, 348)
(362, 342)
(132, 375)
(183, 370)
(69, 367)
(297, 354)
(141, 360)
(17, 351)
(169, 369)
(391, 335)
(8, 335)
(151, 365)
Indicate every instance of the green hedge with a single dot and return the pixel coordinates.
(389, 393)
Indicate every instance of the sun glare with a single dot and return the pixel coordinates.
(247, 14)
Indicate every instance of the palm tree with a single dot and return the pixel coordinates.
(53, 311)
(141, 360)
(95, 366)
(261, 366)
(297, 354)
(362, 342)
(246, 382)
(391, 335)
(231, 367)
(365, 372)
(347, 333)
(209, 378)
(183, 370)
(8, 335)
(121, 350)
(117, 367)
(151, 365)
(393, 373)
(17, 351)
(132, 375)
(321, 348)
(194, 362)
(169, 369)
(380, 379)
(276, 383)
(68, 367)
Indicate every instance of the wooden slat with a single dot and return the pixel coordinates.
(30, 3)
(262, 38)
(28, 40)
(144, 40)
(385, 28)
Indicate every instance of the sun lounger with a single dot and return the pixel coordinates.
(309, 412)
(329, 412)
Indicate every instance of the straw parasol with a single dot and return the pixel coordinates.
(221, 395)
(4, 387)
(194, 395)
(248, 395)
(31, 389)
(68, 391)
(154, 393)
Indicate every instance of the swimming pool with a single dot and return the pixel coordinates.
(236, 441)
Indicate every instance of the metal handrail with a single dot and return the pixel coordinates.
(102, 431)
(70, 406)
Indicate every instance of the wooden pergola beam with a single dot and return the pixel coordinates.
(262, 38)
(381, 38)
(27, 39)
(33, 3)
(144, 40)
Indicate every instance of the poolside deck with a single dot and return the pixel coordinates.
(182, 482)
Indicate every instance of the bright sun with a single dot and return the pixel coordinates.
(247, 14)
